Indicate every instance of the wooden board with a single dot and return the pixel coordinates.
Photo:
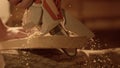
(45, 42)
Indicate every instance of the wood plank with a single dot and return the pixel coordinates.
(45, 42)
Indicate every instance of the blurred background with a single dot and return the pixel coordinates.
(101, 16)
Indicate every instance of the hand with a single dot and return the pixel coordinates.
(16, 17)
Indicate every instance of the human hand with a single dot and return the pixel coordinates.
(16, 17)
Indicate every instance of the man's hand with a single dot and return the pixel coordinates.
(16, 17)
(17, 11)
(7, 33)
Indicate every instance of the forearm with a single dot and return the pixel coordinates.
(18, 10)
(25, 4)
(13, 4)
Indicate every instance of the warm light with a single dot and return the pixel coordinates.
(4, 10)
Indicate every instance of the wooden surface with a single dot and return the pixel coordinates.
(45, 42)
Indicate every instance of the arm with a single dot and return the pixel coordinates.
(25, 4)
(21, 3)
(18, 10)
(13, 3)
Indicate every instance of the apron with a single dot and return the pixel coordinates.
(32, 16)
(50, 11)
(50, 19)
